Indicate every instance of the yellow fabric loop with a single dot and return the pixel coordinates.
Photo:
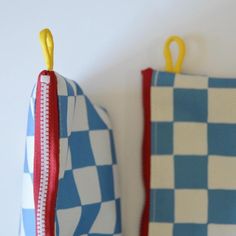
(46, 41)
(167, 53)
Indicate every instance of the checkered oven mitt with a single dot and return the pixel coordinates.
(189, 155)
(70, 183)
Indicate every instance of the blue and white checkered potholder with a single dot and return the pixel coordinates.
(88, 198)
(193, 155)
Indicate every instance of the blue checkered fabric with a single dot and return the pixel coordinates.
(88, 198)
(193, 156)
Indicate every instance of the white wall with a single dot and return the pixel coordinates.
(103, 45)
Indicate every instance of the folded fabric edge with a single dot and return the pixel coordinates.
(146, 148)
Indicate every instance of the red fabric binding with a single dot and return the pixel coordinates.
(53, 150)
(146, 151)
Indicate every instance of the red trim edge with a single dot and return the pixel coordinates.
(146, 149)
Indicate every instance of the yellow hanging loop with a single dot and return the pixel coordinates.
(46, 41)
(167, 53)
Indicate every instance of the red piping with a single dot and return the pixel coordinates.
(146, 150)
